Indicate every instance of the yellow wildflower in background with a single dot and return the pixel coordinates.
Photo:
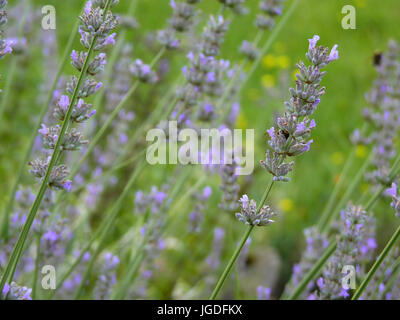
(283, 62)
(360, 3)
(364, 187)
(337, 158)
(286, 205)
(294, 74)
(241, 121)
(269, 61)
(268, 80)
(361, 151)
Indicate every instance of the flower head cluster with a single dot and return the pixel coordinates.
(58, 177)
(263, 293)
(181, 21)
(235, 5)
(182, 17)
(393, 192)
(251, 216)
(213, 35)
(204, 73)
(316, 245)
(16, 292)
(155, 203)
(383, 116)
(270, 9)
(107, 279)
(74, 280)
(73, 139)
(214, 258)
(250, 51)
(197, 215)
(378, 288)
(230, 187)
(54, 239)
(97, 24)
(352, 228)
(95, 32)
(152, 201)
(291, 136)
(5, 44)
(143, 72)
(81, 111)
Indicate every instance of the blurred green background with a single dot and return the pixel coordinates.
(299, 202)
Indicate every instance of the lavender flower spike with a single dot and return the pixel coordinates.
(5, 45)
(291, 135)
(250, 216)
(352, 230)
(395, 198)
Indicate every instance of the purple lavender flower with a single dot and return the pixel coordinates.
(249, 214)
(352, 233)
(196, 217)
(316, 245)
(214, 259)
(383, 116)
(235, 5)
(291, 136)
(143, 72)
(107, 278)
(263, 293)
(96, 26)
(269, 9)
(16, 292)
(392, 191)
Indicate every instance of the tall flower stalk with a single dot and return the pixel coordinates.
(29, 147)
(386, 250)
(379, 130)
(97, 22)
(181, 21)
(316, 269)
(290, 138)
(5, 44)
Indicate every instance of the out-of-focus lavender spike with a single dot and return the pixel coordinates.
(348, 253)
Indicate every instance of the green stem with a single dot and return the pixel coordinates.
(261, 54)
(113, 58)
(131, 275)
(231, 263)
(17, 251)
(113, 214)
(102, 130)
(324, 224)
(99, 232)
(112, 116)
(37, 263)
(272, 38)
(333, 196)
(395, 267)
(108, 172)
(329, 251)
(140, 252)
(313, 273)
(376, 265)
(42, 113)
